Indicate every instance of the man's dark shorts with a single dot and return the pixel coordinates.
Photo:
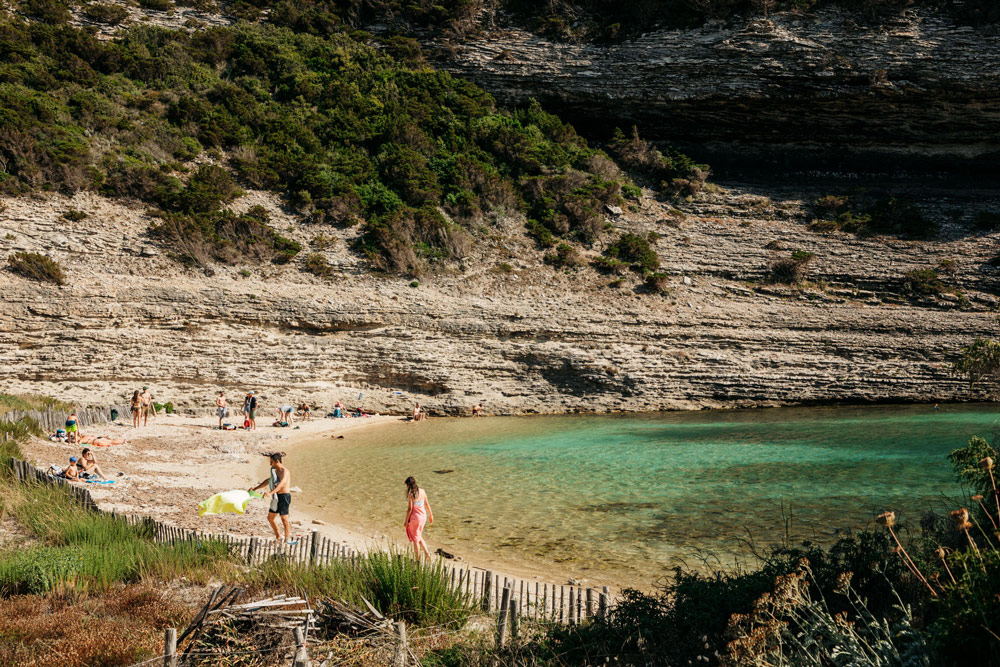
(281, 503)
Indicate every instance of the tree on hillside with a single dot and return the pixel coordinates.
(980, 362)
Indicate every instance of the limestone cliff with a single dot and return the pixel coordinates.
(504, 329)
(918, 86)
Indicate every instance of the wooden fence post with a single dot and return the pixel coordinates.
(602, 605)
(313, 548)
(170, 648)
(487, 584)
(572, 606)
(251, 550)
(502, 618)
(301, 655)
(401, 648)
(590, 603)
(515, 621)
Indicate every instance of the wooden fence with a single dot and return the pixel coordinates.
(565, 604)
(50, 420)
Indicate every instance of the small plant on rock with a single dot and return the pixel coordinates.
(923, 282)
(36, 267)
(792, 270)
(317, 265)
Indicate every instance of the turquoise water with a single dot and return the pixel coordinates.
(624, 497)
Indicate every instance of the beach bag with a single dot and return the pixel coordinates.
(228, 427)
(114, 415)
(246, 423)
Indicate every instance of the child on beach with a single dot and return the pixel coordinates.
(418, 512)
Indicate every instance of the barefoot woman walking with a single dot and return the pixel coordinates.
(417, 514)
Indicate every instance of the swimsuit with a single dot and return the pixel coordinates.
(415, 527)
(71, 426)
(280, 502)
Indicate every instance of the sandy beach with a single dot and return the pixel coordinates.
(176, 461)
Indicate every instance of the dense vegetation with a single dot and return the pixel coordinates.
(348, 133)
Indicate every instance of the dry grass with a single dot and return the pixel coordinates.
(118, 627)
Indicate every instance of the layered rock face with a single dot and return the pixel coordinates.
(919, 86)
(505, 330)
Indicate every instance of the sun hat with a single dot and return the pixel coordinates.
(250, 392)
(145, 386)
(72, 459)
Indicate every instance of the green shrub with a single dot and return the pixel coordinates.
(36, 267)
(167, 407)
(792, 270)
(635, 251)
(675, 172)
(396, 584)
(923, 282)
(887, 216)
(657, 282)
(323, 242)
(158, 5)
(224, 236)
(317, 265)
(110, 14)
(504, 267)
(564, 256)
(74, 215)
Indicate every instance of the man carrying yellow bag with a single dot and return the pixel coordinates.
(227, 502)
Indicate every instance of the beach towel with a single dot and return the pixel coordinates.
(100, 481)
(232, 502)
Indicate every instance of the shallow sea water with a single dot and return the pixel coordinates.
(623, 498)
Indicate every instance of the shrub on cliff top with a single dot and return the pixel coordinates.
(36, 267)
(673, 172)
(634, 250)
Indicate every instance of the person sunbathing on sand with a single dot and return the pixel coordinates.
(88, 464)
(101, 440)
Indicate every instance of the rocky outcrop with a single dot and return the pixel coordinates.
(508, 331)
(918, 87)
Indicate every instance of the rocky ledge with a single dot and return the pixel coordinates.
(504, 329)
(918, 86)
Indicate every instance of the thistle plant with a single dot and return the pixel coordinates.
(888, 519)
(987, 464)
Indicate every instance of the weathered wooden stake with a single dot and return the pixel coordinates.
(252, 550)
(301, 655)
(313, 548)
(602, 605)
(487, 584)
(590, 602)
(401, 648)
(515, 621)
(502, 618)
(170, 647)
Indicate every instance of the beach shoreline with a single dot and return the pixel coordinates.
(175, 462)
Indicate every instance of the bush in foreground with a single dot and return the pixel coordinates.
(37, 267)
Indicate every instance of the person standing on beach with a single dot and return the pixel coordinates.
(146, 400)
(280, 484)
(73, 428)
(250, 408)
(418, 513)
(136, 407)
(220, 406)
